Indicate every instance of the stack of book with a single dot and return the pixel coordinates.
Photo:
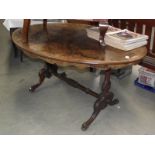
(121, 39)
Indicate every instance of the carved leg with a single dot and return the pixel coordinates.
(45, 72)
(105, 99)
(42, 75)
(97, 108)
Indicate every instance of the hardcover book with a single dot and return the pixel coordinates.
(125, 36)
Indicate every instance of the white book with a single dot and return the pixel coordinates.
(125, 36)
(126, 47)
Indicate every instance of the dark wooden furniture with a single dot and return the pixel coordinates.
(145, 26)
(68, 45)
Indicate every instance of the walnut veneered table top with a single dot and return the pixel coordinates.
(68, 45)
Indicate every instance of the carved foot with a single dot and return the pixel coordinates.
(100, 104)
(84, 127)
(86, 124)
(42, 74)
(106, 98)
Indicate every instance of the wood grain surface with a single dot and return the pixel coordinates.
(67, 44)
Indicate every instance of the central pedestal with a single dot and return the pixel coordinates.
(104, 99)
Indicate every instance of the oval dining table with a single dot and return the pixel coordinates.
(67, 44)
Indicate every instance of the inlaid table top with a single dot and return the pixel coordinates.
(67, 44)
